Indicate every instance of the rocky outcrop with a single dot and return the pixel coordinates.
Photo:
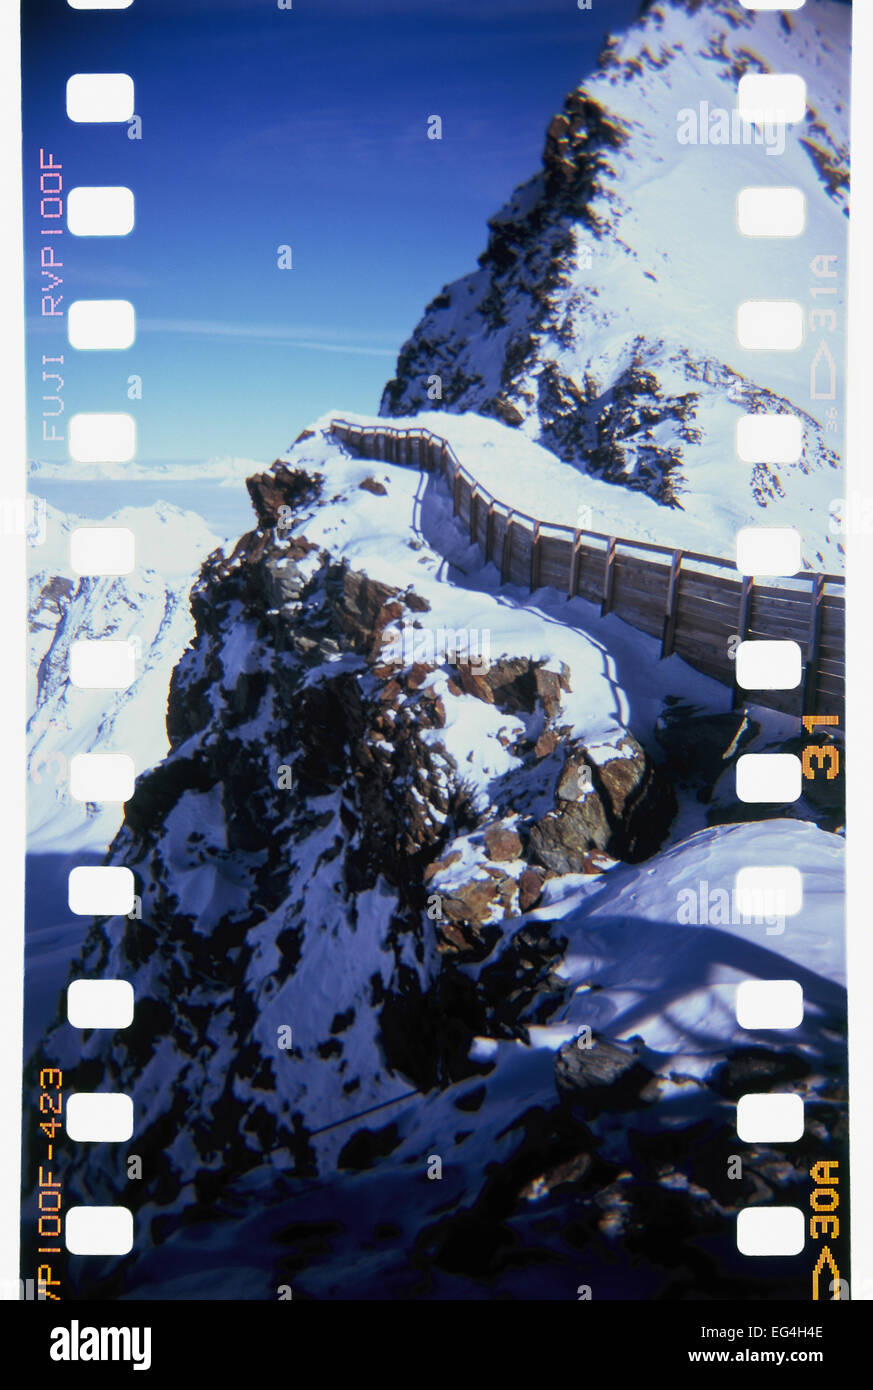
(621, 807)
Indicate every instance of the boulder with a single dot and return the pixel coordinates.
(502, 843)
(372, 485)
(600, 1073)
(516, 684)
(622, 807)
(530, 888)
(562, 840)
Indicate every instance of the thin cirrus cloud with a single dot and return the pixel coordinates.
(270, 333)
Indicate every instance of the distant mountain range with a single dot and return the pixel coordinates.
(229, 470)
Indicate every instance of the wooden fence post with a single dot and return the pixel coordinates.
(474, 508)
(742, 629)
(535, 558)
(506, 558)
(810, 670)
(574, 565)
(608, 577)
(456, 494)
(489, 531)
(668, 633)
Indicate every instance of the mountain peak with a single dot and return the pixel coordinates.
(601, 318)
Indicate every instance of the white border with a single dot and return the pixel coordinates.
(860, 660)
(860, 655)
(13, 646)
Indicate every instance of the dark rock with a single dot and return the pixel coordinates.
(415, 602)
(471, 1100)
(368, 1145)
(622, 807)
(515, 684)
(562, 840)
(507, 412)
(362, 607)
(371, 485)
(283, 487)
(603, 1074)
(700, 747)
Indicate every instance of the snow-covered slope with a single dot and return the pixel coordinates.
(149, 608)
(408, 882)
(601, 320)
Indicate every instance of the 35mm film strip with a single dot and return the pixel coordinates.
(435, 877)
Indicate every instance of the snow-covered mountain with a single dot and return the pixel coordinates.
(601, 319)
(385, 890)
(148, 607)
(422, 1007)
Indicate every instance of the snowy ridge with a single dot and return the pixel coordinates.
(532, 802)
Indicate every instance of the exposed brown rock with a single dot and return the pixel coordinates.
(507, 412)
(472, 901)
(415, 602)
(562, 840)
(363, 608)
(515, 684)
(440, 865)
(623, 806)
(282, 487)
(530, 888)
(549, 687)
(502, 843)
(417, 675)
(371, 485)
(546, 743)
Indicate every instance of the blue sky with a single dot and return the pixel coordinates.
(264, 127)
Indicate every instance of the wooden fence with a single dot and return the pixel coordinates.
(693, 603)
